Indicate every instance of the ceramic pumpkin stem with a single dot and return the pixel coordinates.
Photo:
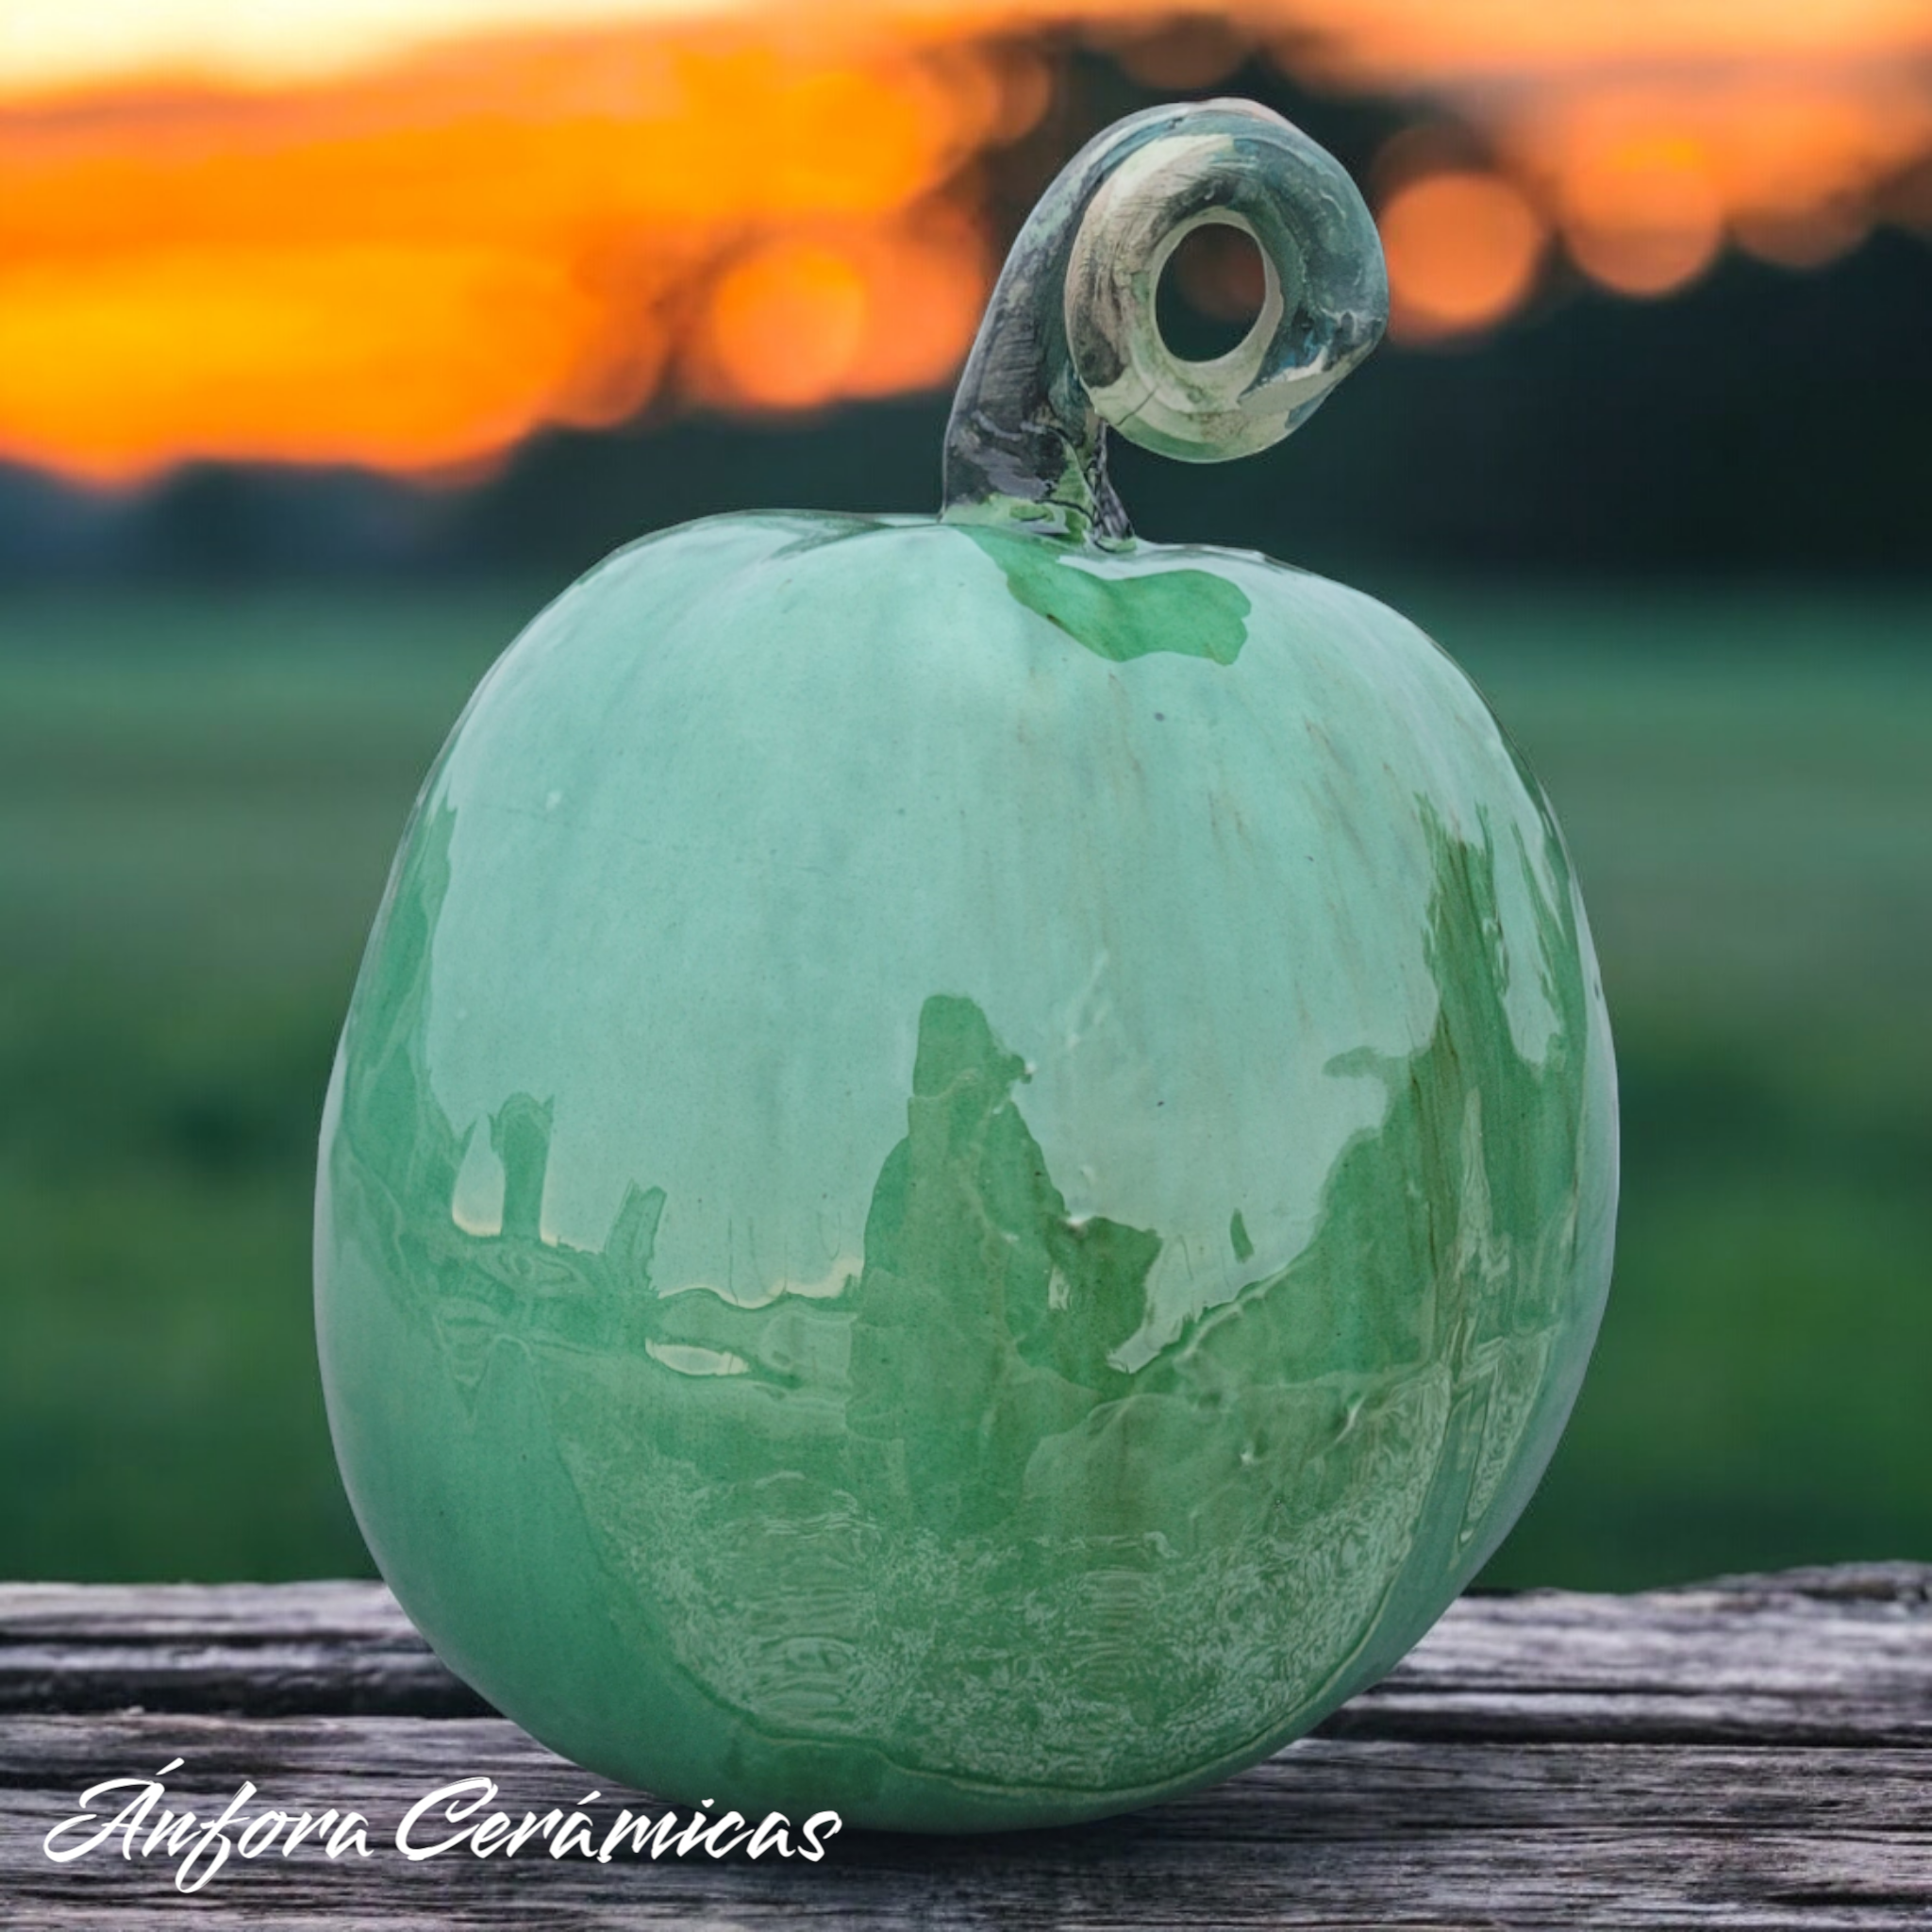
(1071, 342)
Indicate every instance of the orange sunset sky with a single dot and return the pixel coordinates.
(406, 233)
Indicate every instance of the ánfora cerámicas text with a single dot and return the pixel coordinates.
(455, 1817)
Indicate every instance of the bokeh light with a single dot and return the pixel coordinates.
(1463, 249)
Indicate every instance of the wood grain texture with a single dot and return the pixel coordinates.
(1752, 1753)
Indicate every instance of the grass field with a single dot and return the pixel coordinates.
(198, 800)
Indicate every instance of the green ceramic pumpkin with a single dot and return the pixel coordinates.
(972, 1167)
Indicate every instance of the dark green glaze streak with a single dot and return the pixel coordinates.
(1132, 603)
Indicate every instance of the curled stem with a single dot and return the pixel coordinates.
(1071, 343)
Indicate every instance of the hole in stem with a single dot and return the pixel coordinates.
(1211, 292)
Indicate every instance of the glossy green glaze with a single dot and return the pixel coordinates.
(970, 1173)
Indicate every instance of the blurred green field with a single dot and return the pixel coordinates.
(198, 800)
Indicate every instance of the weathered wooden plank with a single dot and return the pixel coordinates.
(1331, 1833)
(266, 1649)
(1819, 1657)
(1755, 1754)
